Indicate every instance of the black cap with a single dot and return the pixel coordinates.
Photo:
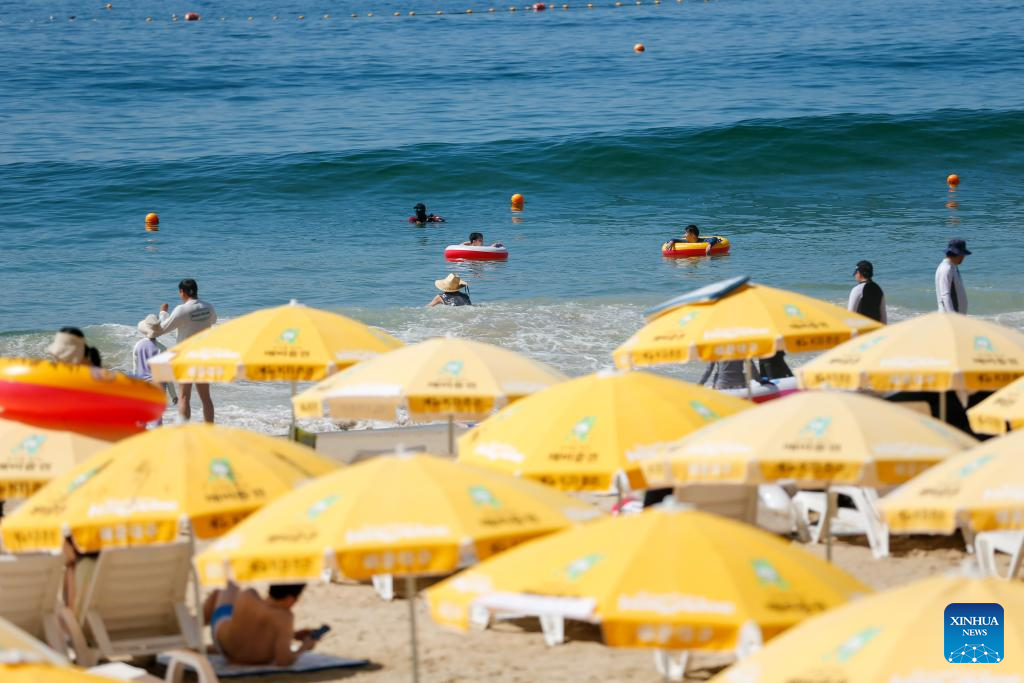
(420, 206)
(957, 247)
(865, 268)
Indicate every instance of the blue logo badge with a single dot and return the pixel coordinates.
(973, 633)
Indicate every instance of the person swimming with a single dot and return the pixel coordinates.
(476, 239)
(422, 216)
(450, 292)
(692, 235)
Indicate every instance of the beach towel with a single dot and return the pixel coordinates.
(306, 663)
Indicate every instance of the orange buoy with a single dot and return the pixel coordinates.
(639, 47)
(539, 7)
(517, 202)
(952, 180)
(191, 16)
(152, 220)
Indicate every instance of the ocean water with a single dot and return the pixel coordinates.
(284, 156)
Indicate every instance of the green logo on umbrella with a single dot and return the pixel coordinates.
(452, 367)
(703, 410)
(290, 336)
(321, 506)
(817, 427)
(767, 575)
(793, 311)
(30, 445)
(220, 468)
(687, 318)
(973, 466)
(481, 497)
(983, 344)
(578, 568)
(581, 430)
(870, 342)
(80, 480)
(852, 645)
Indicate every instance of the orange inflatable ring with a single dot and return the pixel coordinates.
(684, 249)
(44, 392)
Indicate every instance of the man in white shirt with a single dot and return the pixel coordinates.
(190, 317)
(949, 286)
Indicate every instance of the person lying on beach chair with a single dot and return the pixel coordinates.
(692, 235)
(248, 629)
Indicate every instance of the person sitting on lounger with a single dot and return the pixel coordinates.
(248, 629)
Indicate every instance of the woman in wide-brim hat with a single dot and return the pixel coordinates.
(451, 292)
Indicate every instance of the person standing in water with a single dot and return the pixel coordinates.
(423, 217)
(190, 317)
(866, 297)
(451, 294)
(949, 286)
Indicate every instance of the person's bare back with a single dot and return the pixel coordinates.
(257, 630)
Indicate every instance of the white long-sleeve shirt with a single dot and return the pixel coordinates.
(949, 288)
(188, 319)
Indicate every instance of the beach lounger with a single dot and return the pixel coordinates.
(29, 595)
(134, 605)
(349, 447)
(863, 518)
(988, 543)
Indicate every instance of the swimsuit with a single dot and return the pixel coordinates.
(221, 613)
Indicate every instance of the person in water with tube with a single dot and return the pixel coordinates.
(692, 236)
(422, 217)
(451, 294)
(476, 239)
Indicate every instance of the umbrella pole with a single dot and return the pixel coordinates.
(451, 435)
(410, 594)
(292, 435)
(748, 375)
(942, 406)
(197, 594)
(830, 507)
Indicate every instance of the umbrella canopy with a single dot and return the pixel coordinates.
(675, 579)
(897, 635)
(31, 456)
(591, 433)
(399, 515)
(285, 343)
(981, 489)
(437, 379)
(812, 437)
(933, 352)
(1000, 411)
(137, 491)
(752, 321)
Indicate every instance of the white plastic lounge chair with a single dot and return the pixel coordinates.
(134, 605)
(29, 595)
(988, 543)
(863, 518)
(735, 501)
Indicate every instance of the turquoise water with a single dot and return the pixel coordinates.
(284, 156)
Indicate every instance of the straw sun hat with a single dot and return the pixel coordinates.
(147, 325)
(67, 348)
(452, 283)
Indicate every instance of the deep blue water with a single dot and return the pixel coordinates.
(284, 156)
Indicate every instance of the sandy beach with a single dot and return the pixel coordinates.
(364, 626)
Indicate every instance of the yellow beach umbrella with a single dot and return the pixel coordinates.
(999, 412)
(401, 515)
(934, 352)
(442, 378)
(901, 635)
(593, 432)
(670, 579)
(137, 491)
(815, 438)
(31, 456)
(286, 343)
(751, 321)
(406, 515)
(980, 490)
